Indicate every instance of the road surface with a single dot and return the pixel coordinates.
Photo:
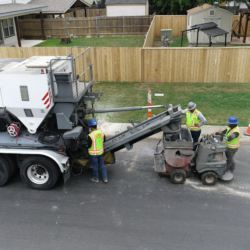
(136, 210)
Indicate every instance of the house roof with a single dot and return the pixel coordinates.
(126, 2)
(204, 7)
(59, 6)
(87, 2)
(18, 9)
(199, 8)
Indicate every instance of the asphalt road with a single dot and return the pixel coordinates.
(136, 210)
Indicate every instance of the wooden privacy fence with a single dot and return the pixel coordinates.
(89, 13)
(63, 27)
(95, 12)
(177, 24)
(204, 65)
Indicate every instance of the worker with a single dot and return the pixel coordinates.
(195, 120)
(232, 136)
(95, 145)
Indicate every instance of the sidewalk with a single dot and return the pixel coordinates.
(112, 129)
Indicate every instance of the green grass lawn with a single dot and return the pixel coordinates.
(217, 102)
(97, 42)
(177, 42)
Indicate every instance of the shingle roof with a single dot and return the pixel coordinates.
(59, 6)
(14, 8)
(126, 2)
(199, 8)
(87, 2)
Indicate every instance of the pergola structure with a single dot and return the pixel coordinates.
(211, 29)
(58, 7)
(14, 10)
(244, 12)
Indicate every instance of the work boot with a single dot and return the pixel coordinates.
(92, 179)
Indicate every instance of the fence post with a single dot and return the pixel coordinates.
(96, 23)
(123, 25)
(67, 27)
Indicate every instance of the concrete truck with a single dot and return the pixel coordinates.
(44, 103)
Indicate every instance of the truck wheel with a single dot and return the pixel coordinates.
(39, 172)
(178, 176)
(5, 171)
(12, 162)
(209, 178)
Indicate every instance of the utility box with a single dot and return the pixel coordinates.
(168, 33)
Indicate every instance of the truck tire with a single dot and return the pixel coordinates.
(178, 176)
(5, 171)
(39, 172)
(209, 178)
(12, 163)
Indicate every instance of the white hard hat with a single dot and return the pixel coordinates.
(191, 105)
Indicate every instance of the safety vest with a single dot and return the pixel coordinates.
(97, 138)
(191, 121)
(235, 142)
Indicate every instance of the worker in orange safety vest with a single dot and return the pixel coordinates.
(96, 150)
(195, 120)
(232, 137)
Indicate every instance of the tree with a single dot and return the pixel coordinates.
(178, 7)
(246, 2)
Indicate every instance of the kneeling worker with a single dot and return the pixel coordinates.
(232, 136)
(95, 145)
(195, 120)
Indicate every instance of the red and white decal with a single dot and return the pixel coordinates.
(47, 99)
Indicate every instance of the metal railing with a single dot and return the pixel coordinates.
(78, 88)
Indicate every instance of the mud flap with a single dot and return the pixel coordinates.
(66, 175)
(159, 162)
(108, 158)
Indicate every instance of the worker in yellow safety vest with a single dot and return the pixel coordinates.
(232, 137)
(195, 120)
(95, 145)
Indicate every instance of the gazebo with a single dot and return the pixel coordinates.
(211, 29)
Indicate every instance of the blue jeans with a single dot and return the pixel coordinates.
(195, 136)
(95, 161)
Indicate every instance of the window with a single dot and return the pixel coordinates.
(28, 112)
(212, 13)
(8, 27)
(24, 93)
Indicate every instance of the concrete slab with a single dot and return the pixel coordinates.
(236, 40)
(25, 43)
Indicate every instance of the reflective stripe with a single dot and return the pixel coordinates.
(93, 141)
(96, 151)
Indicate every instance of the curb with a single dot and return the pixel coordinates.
(111, 129)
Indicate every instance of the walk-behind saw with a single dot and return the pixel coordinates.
(174, 157)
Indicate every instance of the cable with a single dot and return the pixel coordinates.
(49, 138)
(75, 160)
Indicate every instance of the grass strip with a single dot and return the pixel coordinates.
(217, 102)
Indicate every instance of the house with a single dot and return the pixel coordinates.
(9, 13)
(127, 7)
(205, 14)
